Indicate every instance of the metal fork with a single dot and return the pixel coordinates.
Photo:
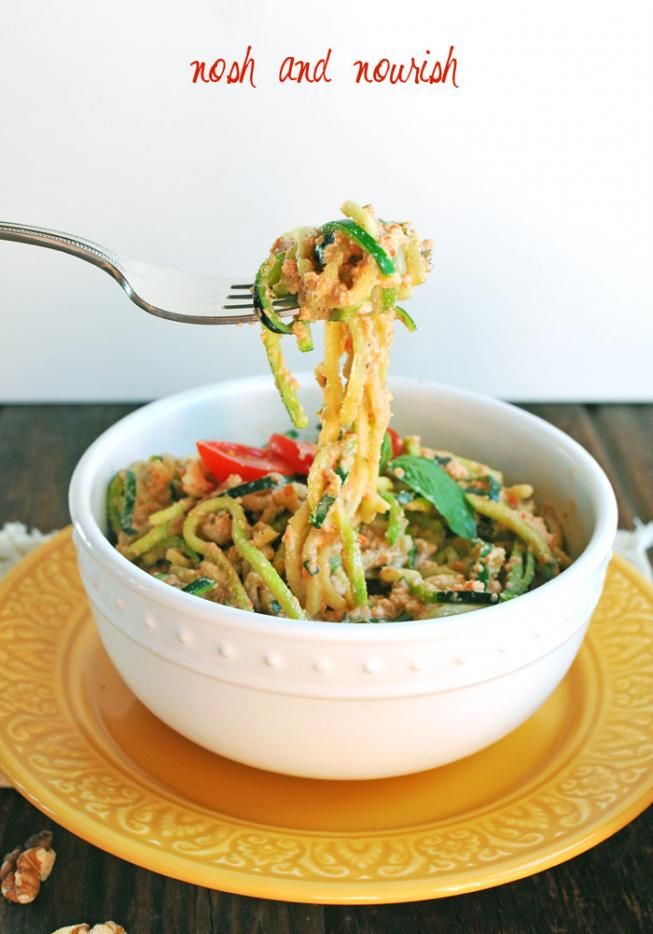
(166, 293)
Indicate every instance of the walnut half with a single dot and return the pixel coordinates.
(25, 868)
(108, 927)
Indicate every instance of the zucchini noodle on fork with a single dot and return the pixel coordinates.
(364, 526)
(348, 273)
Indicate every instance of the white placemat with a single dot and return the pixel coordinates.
(16, 541)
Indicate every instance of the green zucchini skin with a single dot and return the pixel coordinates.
(129, 503)
(282, 378)
(252, 486)
(263, 300)
(470, 597)
(364, 240)
(328, 237)
(464, 596)
(263, 483)
(200, 586)
(113, 510)
(317, 518)
(121, 499)
(386, 453)
(267, 320)
(405, 318)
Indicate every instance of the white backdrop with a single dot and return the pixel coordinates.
(533, 178)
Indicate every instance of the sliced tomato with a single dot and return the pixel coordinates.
(223, 458)
(397, 443)
(297, 454)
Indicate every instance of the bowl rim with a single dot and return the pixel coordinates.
(87, 529)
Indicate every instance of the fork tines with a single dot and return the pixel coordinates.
(242, 294)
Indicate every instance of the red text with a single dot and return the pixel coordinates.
(424, 72)
(296, 69)
(233, 72)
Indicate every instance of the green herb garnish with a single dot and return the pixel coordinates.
(429, 480)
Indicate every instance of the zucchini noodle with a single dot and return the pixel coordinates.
(377, 528)
(345, 273)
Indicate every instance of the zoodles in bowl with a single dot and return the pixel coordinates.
(361, 525)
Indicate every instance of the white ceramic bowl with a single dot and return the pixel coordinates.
(330, 700)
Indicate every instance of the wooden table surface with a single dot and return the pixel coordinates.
(608, 890)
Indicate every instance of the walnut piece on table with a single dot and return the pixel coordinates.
(24, 869)
(107, 927)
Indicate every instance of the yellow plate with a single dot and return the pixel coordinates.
(78, 745)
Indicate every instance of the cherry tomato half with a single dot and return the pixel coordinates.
(397, 443)
(222, 458)
(298, 454)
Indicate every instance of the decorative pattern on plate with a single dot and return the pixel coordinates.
(603, 780)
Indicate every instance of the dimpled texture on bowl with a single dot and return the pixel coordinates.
(329, 700)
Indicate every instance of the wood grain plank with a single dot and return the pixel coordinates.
(41, 445)
(577, 421)
(239, 913)
(626, 432)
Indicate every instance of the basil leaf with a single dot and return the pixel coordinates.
(433, 483)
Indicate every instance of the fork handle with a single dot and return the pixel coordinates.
(84, 249)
